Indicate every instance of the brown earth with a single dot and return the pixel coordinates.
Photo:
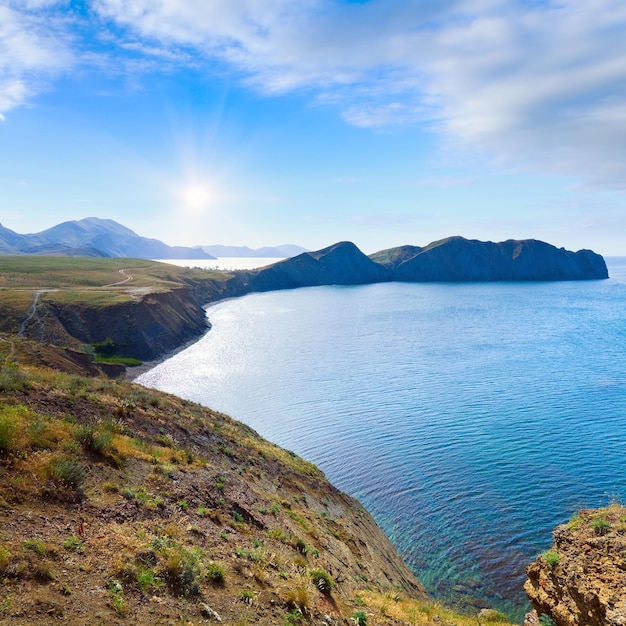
(582, 580)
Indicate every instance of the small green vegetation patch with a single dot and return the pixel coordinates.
(74, 544)
(322, 581)
(600, 526)
(551, 558)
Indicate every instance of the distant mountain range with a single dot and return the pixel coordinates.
(95, 237)
(275, 252)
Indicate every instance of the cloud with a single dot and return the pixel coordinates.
(30, 52)
(540, 85)
(524, 84)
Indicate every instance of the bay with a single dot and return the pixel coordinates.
(469, 419)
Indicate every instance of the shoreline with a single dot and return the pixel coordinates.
(132, 373)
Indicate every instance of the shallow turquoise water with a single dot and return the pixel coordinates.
(470, 419)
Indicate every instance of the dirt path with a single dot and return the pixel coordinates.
(31, 313)
(128, 279)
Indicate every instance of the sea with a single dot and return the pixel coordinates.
(469, 418)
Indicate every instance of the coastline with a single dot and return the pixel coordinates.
(134, 372)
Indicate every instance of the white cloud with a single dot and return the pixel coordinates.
(541, 85)
(30, 52)
(538, 85)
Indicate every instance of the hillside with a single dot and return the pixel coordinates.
(125, 505)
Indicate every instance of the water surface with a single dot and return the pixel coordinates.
(469, 419)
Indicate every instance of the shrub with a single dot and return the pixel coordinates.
(546, 620)
(184, 569)
(36, 545)
(298, 599)
(322, 581)
(74, 544)
(116, 591)
(96, 439)
(68, 471)
(360, 618)
(600, 526)
(147, 578)
(7, 432)
(215, 573)
(551, 558)
(247, 596)
(11, 378)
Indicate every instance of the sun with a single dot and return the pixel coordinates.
(197, 197)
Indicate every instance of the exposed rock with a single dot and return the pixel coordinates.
(581, 581)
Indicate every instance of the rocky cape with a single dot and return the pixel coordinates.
(454, 259)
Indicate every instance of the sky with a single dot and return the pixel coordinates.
(265, 122)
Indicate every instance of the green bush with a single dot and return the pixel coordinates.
(74, 544)
(546, 620)
(322, 581)
(11, 378)
(7, 432)
(147, 579)
(68, 471)
(360, 618)
(215, 573)
(184, 569)
(551, 558)
(600, 526)
(97, 439)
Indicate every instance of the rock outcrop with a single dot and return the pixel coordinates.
(581, 581)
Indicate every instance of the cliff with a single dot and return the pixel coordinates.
(581, 581)
(158, 307)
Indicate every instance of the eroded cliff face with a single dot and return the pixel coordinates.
(145, 329)
(582, 580)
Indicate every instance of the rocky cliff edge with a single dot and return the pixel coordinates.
(581, 581)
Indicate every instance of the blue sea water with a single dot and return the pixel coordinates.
(470, 419)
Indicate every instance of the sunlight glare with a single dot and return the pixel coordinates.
(196, 197)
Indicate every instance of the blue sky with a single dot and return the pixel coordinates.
(383, 122)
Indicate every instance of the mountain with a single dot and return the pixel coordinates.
(276, 252)
(460, 259)
(340, 264)
(452, 259)
(92, 237)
